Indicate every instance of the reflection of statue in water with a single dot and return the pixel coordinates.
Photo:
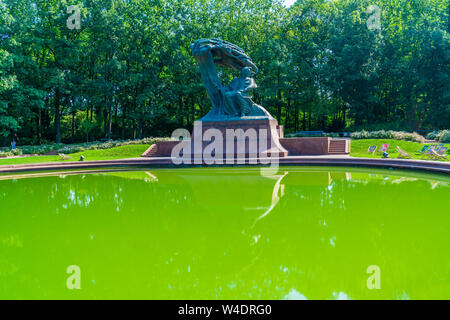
(233, 101)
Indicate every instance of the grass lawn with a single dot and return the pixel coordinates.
(123, 152)
(359, 148)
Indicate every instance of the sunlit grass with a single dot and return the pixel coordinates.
(123, 152)
(359, 148)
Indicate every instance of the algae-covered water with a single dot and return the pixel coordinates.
(228, 233)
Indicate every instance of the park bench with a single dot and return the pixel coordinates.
(309, 133)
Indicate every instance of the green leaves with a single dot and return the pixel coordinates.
(128, 71)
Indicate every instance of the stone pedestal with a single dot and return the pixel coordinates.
(254, 138)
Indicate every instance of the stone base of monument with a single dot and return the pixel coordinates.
(249, 138)
(236, 139)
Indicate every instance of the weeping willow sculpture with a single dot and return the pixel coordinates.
(231, 102)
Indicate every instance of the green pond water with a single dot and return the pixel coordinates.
(228, 233)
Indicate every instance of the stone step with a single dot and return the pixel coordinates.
(151, 152)
(337, 147)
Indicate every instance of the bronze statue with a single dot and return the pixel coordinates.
(232, 102)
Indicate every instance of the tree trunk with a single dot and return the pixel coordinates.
(344, 120)
(123, 121)
(180, 112)
(38, 127)
(279, 97)
(304, 120)
(87, 125)
(109, 122)
(58, 116)
(73, 126)
(141, 125)
(309, 119)
(189, 112)
(288, 109)
(296, 118)
(116, 124)
(108, 130)
(105, 122)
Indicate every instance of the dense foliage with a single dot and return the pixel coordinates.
(128, 73)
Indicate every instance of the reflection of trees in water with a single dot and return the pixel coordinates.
(170, 240)
(336, 230)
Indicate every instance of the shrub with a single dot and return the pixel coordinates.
(360, 135)
(440, 135)
(16, 152)
(331, 134)
(444, 136)
(432, 135)
(382, 134)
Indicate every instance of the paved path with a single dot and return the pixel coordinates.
(328, 160)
